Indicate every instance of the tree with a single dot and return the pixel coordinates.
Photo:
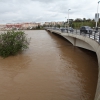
(73, 25)
(78, 20)
(84, 19)
(88, 20)
(12, 42)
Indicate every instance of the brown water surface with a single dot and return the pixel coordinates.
(51, 69)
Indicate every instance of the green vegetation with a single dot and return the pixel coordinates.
(77, 23)
(12, 42)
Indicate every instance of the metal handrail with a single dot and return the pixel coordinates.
(95, 35)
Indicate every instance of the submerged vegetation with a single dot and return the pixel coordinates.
(11, 42)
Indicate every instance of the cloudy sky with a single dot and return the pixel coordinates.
(17, 11)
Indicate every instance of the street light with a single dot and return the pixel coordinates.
(97, 16)
(65, 22)
(68, 18)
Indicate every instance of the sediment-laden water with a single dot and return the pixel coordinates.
(51, 69)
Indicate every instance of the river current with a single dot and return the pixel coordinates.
(51, 69)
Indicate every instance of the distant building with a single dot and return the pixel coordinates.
(54, 23)
(29, 25)
(21, 25)
(13, 26)
(2, 26)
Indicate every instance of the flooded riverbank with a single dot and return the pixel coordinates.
(51, 69)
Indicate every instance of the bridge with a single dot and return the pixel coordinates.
(87, 41)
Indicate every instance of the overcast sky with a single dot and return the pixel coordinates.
(17, 11)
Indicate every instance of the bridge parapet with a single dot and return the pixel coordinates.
(94, 35)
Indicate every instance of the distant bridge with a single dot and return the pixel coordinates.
(87, 41)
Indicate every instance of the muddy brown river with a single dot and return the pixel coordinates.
(51, 69)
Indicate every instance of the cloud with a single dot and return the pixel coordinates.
(45, 10)
(44, 1)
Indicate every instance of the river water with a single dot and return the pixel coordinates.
(51, 69)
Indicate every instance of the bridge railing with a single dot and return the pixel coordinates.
(94, 35)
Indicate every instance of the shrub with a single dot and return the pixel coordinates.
(11, 42)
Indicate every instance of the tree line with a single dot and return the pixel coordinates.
(78, 22)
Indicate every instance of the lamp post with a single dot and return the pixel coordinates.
(65, 22)
(68, 18)
(97, 16)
